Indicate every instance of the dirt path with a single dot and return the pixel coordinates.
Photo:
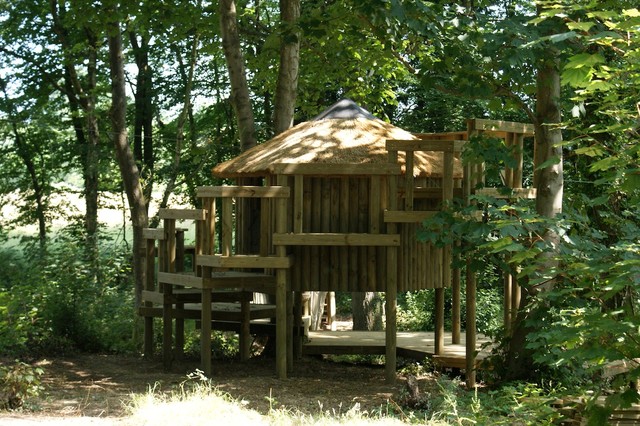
(95, 389)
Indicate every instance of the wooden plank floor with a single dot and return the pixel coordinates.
(410, 344)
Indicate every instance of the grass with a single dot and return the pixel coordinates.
(201, 403)
(198, 402)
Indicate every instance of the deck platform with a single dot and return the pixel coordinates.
(410, 344)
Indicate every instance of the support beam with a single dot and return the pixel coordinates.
(439, 329)
(471, 327)
(149, 286)
(455, 307)
(391, 311)
(205, 332)
(392, 284)
(507, 307)
(245, 335)
(281, 287)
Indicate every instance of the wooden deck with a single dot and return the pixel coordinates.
(410, 344)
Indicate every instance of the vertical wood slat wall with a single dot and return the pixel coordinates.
(340, 205)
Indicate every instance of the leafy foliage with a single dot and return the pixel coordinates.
(18, 381)
(58, 304)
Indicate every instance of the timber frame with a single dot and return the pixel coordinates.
(307, 221)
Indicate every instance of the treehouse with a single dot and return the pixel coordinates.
(340, 200)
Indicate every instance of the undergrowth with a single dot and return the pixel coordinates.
(444, 401)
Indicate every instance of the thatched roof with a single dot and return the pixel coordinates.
(343, 134)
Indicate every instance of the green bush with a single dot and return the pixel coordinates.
(416, 310)
(65, 300)
(18, 382)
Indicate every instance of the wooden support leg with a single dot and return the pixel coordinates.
(331, 310)
(471, 328)
(390, 309)
(297, 322)
(245, 334)
(515, 299)
(179, 349)
(148, 337)
(455, 307)
(281, 324)
(150, 285)
(205, 336)
(507, 303)
(167, 329)
(289, 331)
(439, 331)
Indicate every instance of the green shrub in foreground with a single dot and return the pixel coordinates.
(18, 382)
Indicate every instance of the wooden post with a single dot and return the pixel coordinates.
(245, 334)
(507, 303)
(207, 246)
(390, 310)
(149, 286)
(289, 330)
(455, 306)
(471, 177)
(205, 331)
(515, 298)
(179, 319)
(439, 329)
(391, 284)
(517, 174)
(471, 328)
(297, 322)
(298, 204)
(447, 199)
(281, 289)
(456, 284)
(227, 226)
(167, 306)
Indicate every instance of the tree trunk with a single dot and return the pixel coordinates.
(548, 180)
(549, 183)
(248, 223)
(83, 96)
(91, 159)
(182, 119)
(143, 122)
(367, 311)
(240, 98)
(287, 85)
(27, 158)
(128, 169)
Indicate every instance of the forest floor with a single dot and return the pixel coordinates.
(91, 387)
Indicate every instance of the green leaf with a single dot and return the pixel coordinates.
(631, 182)
(580, 26)
(604, 164)
(590, 151)
(557, 38)
(631, 12)
(550, 162)
(584, 60)
(577, 77)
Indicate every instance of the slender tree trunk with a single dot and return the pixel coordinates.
(182, 118)
(240, 98)
(287, 85)
(143, 122)
(248, 228)
(91, 158)
(548, 180)
(549, 183)
(126, 162)
(27, 158)
(83, 96)
(367, 311)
